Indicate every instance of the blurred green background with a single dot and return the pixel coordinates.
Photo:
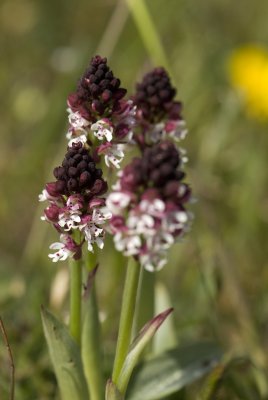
(218, 277)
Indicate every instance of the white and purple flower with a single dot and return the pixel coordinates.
(67, 247)
(75, 207)
(148, 206)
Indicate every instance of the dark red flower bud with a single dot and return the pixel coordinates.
(96, 202)
(106, 95)
(119, 94)
(98, 107)
(72, 185)
(51, 188)
(85, 179)
(72, 171)
(61, 186)
(59, 172)
(52, 213)
(99, 187)
(171, 189)
(121, 131)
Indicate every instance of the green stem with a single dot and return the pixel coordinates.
(75, 299)
(91, 347)
(145, 300)
(126, 317)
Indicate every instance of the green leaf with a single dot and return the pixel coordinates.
(65, 357)
(137, 348)
(171, 371)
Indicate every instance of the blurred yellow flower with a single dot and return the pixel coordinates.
(248, 70)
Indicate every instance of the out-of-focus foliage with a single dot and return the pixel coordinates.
(218, 277)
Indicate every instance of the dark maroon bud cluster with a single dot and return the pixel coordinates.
(155, 97)
(158, 168)
(78, 173)
(161, 162)
(98, 91)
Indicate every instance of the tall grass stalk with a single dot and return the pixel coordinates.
(148, 32)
